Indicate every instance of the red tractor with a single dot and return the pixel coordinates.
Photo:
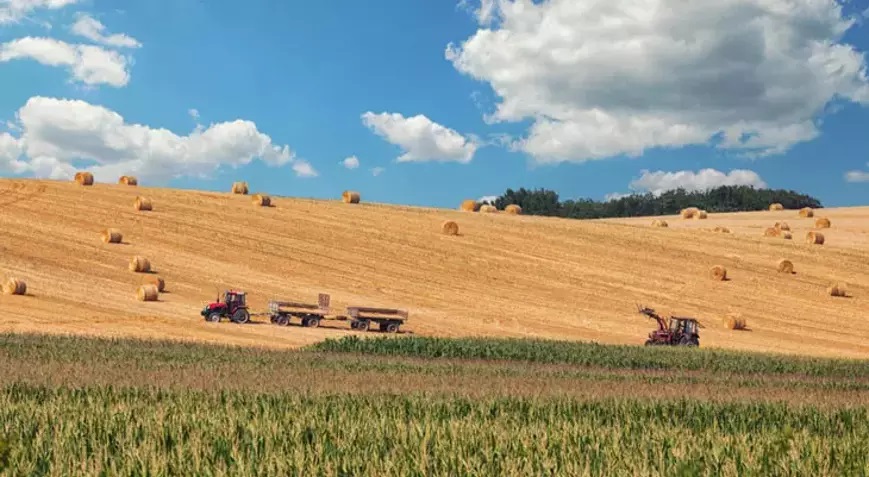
(680, 331)
(234, 307)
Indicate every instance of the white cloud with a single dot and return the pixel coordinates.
(376, 171)
(660, 181)
(89, 27)
(614, 196)
(857, 176)
(420, 138)
(56, 132)
(351, 162)
(12, 11)
(10, 151)
(91, 65)
(601, 78)
(488, 198)
(194, 113)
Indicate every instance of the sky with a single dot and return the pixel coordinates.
(432, 102)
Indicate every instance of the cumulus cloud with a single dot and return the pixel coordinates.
(488, 198)
(421, 138)
(376, 171)
(88, 64)
(351, 162)
(857, 176)
(89, 27)
(601, 78)
(660, 181)
(12, 11)
(56, 132)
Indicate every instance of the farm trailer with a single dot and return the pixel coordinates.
(310, 314)
(388, 319)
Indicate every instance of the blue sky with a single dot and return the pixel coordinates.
(598, 95)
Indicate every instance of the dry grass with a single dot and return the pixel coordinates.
(14, 286)
(147, 293)
(262, 200)
(350, 197)
(239, 188)
(543, 276)
(720, 229)
(469, 205)
(143, 203)
(776, 207)
(814, 238)
(84, 178)
(718, 272)
(785, 266)
(513, 209)
(128, 180)
(111, 236)
(140, 264)
(807, 212)
(449, 227)
(822, 223)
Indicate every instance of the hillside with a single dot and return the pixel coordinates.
(503, 276)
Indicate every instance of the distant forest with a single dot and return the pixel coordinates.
(719, 199)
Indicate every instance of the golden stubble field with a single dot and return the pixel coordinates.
(511, 276)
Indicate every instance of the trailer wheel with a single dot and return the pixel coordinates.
(362, 325)
(282, 320)
(392, 327)
(313, 322)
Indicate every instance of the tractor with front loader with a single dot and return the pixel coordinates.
(673, 331)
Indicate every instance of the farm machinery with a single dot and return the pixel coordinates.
(280, 313)
(674, 331)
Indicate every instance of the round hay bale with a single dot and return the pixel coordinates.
(720, 229)
(140, 264)
(450, 228)
(84, 178)
(689, 213)
(350, 197)
(822, 223)
(785, 266)
(807, 212)
(469, 205)
(262, 200)
(701, 214)
(815, 238)
(837, 289)
(147, 293)
(718, 272)
(488, 209)
(157, 282)
(734, 321)
(14, 286)
(776, 206)
(786, 235)
(771, 232)
(239, 188)
(128, 180)
(513, 209)
(112, 236)
(782, 226)
(660, 223)
(143, 203)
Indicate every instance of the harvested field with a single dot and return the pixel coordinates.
(517, 276)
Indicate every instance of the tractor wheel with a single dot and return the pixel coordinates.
(650, 343)
(214, 318)
(241, 316)
(688, 342)
(392, 328)
(362, 325)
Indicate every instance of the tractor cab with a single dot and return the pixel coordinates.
(234, 307)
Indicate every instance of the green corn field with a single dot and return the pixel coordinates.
(75, 406)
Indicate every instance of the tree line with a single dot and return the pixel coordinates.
(718, 199)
